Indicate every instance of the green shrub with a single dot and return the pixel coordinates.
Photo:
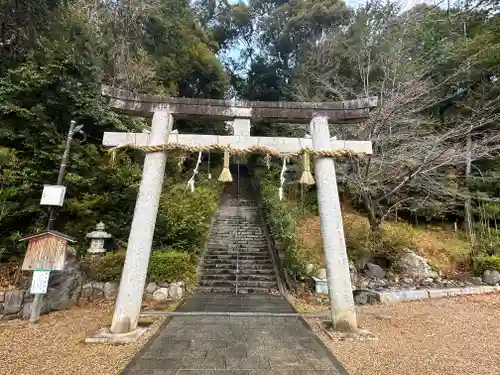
(487, 243)
(483, 263)
(171, 266)
(107, 268)
(168, 266)
(184, 217)
(391, 245)
(281, 218)
(384, 247)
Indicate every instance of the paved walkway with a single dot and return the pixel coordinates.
(228, 345)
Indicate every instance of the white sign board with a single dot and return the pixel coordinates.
(53, 195)
(40, 282)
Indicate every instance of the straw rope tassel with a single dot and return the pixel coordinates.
(307, 177)
(225, 175)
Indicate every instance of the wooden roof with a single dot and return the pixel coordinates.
(53, 233)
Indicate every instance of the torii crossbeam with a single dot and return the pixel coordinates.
(163, 111)
(281, 144)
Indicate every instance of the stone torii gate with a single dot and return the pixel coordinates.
(164, 111)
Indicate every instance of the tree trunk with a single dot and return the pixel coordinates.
(468, 201)
(370, 211)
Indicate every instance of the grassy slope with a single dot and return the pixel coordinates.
(445, 248)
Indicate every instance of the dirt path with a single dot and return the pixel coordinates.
(443, 337)
(56, 345)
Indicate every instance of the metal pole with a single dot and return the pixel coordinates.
(62, 169)
(36, 307)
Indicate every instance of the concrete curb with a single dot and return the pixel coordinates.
(423, 294)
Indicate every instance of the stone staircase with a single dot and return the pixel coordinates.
(237, 258)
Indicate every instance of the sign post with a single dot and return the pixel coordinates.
(39, 285)
(46, 252)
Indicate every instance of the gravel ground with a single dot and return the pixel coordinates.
(444, 337)
(56, 345)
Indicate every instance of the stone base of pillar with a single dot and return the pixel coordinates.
(105, 336)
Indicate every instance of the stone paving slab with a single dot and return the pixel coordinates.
(421, 294)
(236, 303)
(229, 345)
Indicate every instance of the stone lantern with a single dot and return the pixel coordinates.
(97, 238)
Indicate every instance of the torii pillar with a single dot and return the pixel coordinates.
(133, 279)
(332, 232)
(241, 126)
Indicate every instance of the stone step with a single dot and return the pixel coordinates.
(242, 265)
(236, 276)
(243, 271)
(219, 233)
(240, 283)
(240, 257)
(227, 243)
(234, 246)
(235, 256)
(220, 227)
(236, 233)
(238, 215)
(239, 247)
(232, 229)
(258, 252)
(235, 251)
(230, 270)
(231, 289)
(230, 242)
(253, 222)
(237, 240)
(242, 262)
(226, 227)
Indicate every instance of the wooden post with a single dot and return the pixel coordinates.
(39, 285)
(36, 307)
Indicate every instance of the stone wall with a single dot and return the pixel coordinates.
(62, 292)
(160, 291)
(11, 304)
(17, 304)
